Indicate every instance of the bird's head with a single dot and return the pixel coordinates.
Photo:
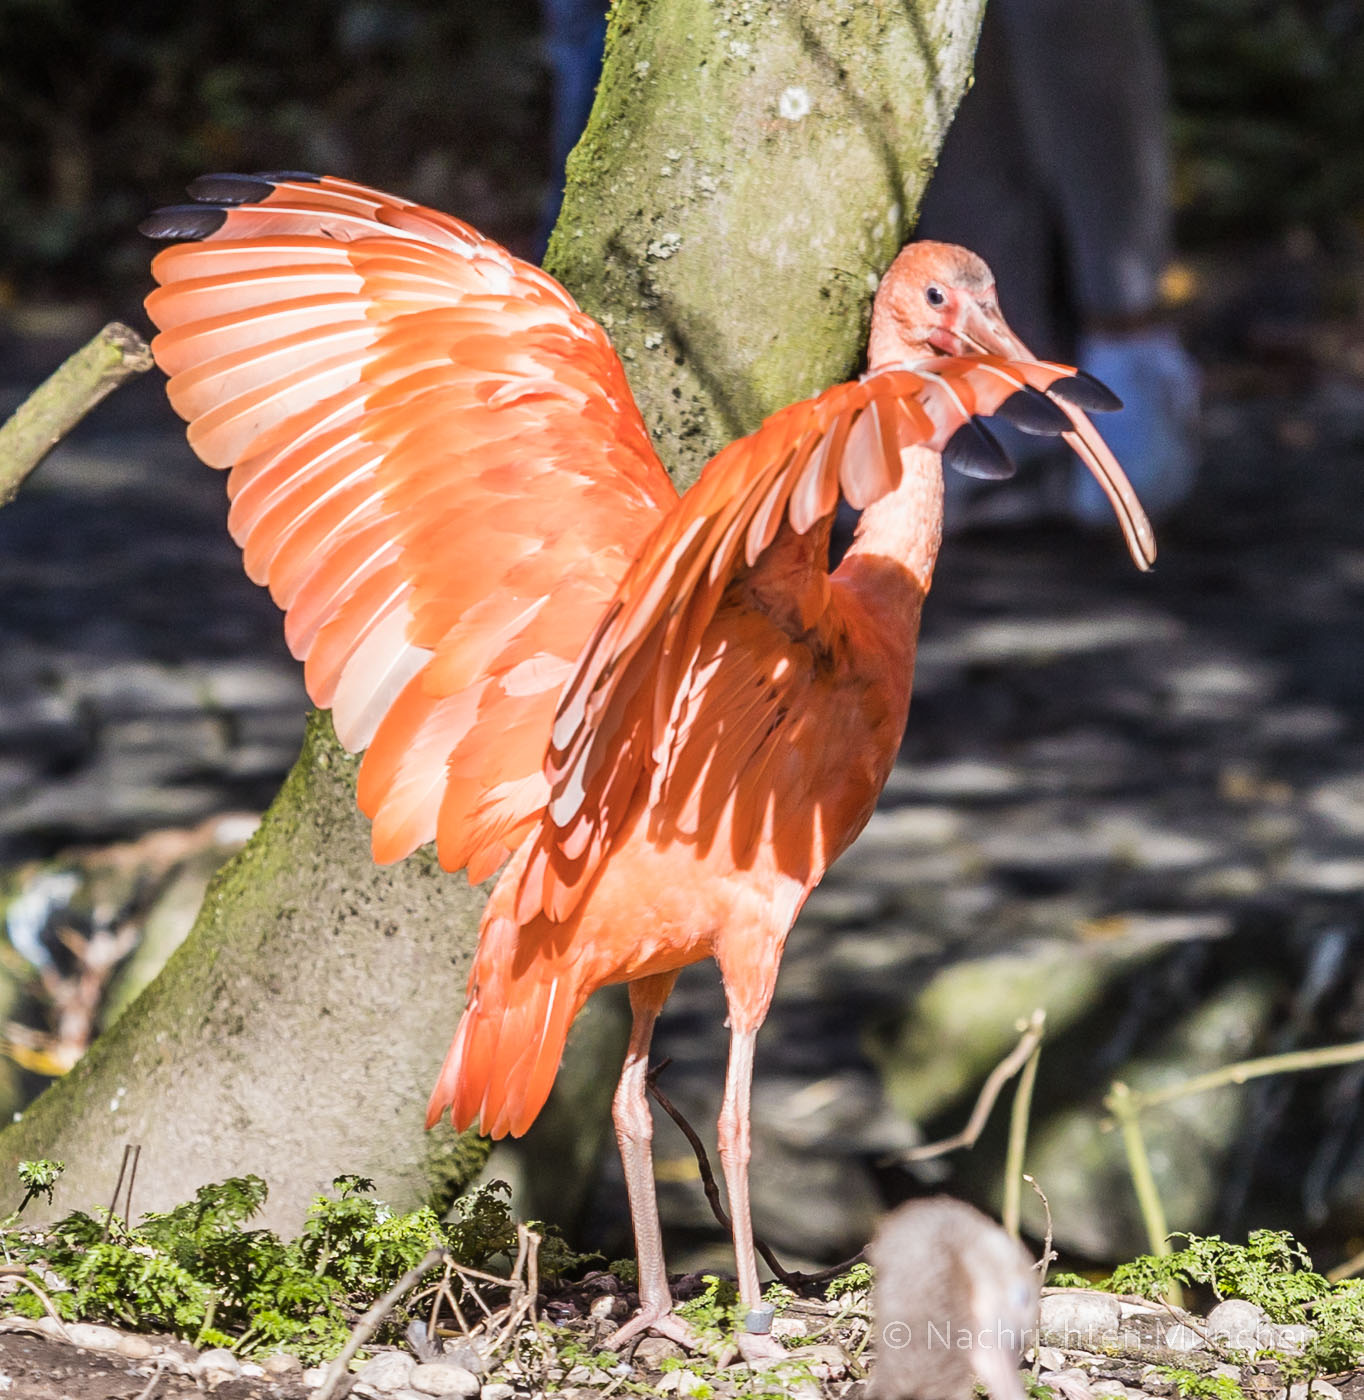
(938, 299)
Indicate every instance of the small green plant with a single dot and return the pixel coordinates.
(715, 1310)
(38, 1178)
(1192, 1385)
(199, 1272)
(483, 1231)
(856, 1280)
(1271, 1270)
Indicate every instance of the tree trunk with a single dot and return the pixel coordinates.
(748, 172)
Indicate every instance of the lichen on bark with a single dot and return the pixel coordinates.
(748, 172)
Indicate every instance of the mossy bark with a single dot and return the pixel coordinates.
(748, 172)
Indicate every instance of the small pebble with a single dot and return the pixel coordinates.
(1319, 1390)
(653, 1350)
(784, 1328)
(441, 1378)
(216, 1367)
(94, 1337)
(314, 1376)
(388, 1371)
(497, 1390)
(1293, 1336)
(465, 1354)
(608, 1308)
(1238, 1323)
(684, 1382)
(1073, 1383)
(826, 1363)
(1079, 1319)
(282, 1364)
(136, 1347)
(423, 1348)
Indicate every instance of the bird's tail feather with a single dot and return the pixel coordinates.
(506, 1051)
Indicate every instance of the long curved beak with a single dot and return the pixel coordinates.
(981, 326)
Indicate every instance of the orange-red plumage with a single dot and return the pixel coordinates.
(667, 712)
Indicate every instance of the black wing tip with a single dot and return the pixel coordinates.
(1033, 412)
(293, 177)
(214, 196)
(973, 450)
(228, 187)
(1083, 391)
(183, 222)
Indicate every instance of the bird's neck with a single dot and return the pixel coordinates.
(904, 527)
(884, 578)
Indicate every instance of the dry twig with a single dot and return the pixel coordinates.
(370, 1323)
(985, 1101)
(64, 398)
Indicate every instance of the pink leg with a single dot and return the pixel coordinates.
(634, 1133)
(735, 1134)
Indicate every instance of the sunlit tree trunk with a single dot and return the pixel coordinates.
(749, 171)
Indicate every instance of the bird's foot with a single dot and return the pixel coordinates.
(662, 1322)
(757, 1347)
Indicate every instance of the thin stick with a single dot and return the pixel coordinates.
(64, 398)
(47, 1304)
(146, 1391)
(118, 1186)
(532, 1268)
(1289, 1063)
(985, 1102)
(1019, 1114)
(370, 1323)
(1120, 1103)
(132, 1177)
(1048, 1257)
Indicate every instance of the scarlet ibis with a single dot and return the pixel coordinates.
(666, 711)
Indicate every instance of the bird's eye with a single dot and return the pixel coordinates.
(934, 295)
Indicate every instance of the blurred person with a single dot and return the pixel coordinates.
(575, 35)
(1056, 170)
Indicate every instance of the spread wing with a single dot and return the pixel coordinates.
(435, 464)
(617, 717)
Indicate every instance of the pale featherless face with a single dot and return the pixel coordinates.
(938, 299)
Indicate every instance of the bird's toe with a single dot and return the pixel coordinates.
(757, 1347)
(662, 1322)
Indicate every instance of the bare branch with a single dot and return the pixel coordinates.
(980, 1114)
(64, 398)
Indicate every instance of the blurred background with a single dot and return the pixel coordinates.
(1137, 802)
